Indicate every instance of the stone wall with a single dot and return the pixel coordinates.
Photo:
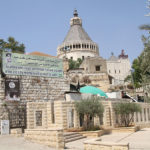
(95, 144)
(50, 137)
(141, 119)
(67, 117)
(38, 88)
(33, 89)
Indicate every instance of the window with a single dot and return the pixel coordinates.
(119, 71)
(109, 71)
(115, 71)
(71, 58)
(82, 57)
(137, 117)
(101, 120)
(52, 113)
(97, 68)
(38, 118)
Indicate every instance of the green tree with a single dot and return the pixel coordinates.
(126, 112)
(89, 108)
(141, 65)
(11, 45)
(75, 64)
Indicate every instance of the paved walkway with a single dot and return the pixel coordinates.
(138, 141)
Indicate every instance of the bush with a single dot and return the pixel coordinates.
(93, 128)
(126, 112)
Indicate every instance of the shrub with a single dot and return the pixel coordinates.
(126, 112)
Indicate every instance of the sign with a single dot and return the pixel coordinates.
(29, 65)
(4, 127)
(12, 91)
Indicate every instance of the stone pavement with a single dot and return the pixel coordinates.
(8, 142)
(137, 141)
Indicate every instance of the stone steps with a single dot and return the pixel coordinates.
(72, 136)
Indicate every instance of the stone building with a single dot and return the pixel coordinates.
(31, 88)
(92, 71)
(77, 43)
(119, 67)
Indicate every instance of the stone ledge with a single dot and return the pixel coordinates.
(126, 129)
(95, 133)
(98, 144)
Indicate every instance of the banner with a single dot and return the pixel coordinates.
(12, 89)
(29, 65)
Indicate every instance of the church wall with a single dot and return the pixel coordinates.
(78, 54)
(89, 65)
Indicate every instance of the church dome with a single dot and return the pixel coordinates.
(77, 43)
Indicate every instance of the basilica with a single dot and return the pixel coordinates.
(94, 69)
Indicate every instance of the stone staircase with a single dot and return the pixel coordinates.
(72, 136)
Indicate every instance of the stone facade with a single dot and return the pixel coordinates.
(119, 68)
(92, 71)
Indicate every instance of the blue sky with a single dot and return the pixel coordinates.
(43, 24)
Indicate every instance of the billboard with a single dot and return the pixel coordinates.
(29, 65)
(12, 89)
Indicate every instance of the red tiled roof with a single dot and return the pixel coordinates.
(40, 54)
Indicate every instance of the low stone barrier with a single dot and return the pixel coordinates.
(50, 137)
(16, 132)
(95, 134)
(126, 129)
(95, 144)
